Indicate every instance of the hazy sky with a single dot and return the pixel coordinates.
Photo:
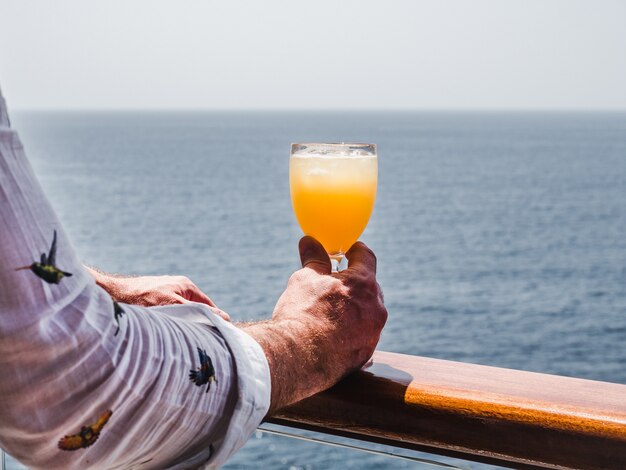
(341, 54)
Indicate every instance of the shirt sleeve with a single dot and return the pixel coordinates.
(86, 382)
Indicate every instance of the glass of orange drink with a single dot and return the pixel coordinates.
(333, 188)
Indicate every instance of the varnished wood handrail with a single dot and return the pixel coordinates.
(510, 417)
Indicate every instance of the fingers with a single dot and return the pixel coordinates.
(314, 256)
(174, 299)
(361, 258)
(178, 299)
(221, 313)
(194, 294)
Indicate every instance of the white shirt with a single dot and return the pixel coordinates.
(65, 366)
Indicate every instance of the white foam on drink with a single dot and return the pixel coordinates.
(353, 154)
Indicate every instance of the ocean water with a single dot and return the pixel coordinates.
(501, 237)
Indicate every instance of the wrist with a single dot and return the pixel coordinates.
(298, 357)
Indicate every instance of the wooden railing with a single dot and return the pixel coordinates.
(507, 417)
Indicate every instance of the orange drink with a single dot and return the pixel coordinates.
(333, 188)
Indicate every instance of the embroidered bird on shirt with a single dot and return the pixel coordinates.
(45, 268)
(87, 435)
(205, 374)
(118, 311)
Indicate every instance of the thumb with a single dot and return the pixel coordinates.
(314, 256)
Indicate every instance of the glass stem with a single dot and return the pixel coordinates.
(335, 261)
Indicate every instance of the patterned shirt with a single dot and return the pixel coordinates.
(86, 382)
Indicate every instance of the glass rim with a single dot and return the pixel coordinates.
(343, 144)
(365, 147)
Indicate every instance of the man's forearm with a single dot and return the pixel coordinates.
(298, 368)
(297, 354)
(295, 349)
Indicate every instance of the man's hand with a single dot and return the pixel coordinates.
(151, 291)
(324, 326)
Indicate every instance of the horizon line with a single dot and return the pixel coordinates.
(326, 110)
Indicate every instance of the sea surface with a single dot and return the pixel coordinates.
(501, 237)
